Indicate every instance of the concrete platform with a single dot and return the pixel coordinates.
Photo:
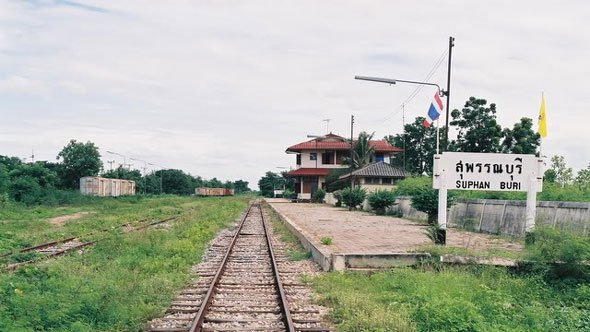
(362, 240)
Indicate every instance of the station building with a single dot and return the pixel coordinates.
(317, 157)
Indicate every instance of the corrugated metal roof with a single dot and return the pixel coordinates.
(310, 172)
(379, 169)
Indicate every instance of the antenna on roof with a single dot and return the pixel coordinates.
(327, 125)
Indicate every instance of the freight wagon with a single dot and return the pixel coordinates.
(97, 186)
(214, 192)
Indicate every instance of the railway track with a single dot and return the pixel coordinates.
(63, 246)
(242, 286)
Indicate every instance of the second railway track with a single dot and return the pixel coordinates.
(242, 286)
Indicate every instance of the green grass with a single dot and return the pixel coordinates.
(123, 281)
(326, 240)
(437, 250)
(295, 250)
(448, 298)
(22, 226)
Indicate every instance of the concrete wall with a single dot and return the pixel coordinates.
(507, 217)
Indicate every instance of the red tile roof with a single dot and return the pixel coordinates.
(310, 172)
(335, 142)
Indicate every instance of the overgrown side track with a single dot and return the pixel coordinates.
(239, 287)
(61, 247)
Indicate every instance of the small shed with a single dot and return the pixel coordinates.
(376, 176)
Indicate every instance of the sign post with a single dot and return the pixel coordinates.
(488, 171)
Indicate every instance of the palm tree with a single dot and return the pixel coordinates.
(363, 152)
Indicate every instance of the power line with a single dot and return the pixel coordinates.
(417, 90)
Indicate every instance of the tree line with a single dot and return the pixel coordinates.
(477, 130)
(58, 182)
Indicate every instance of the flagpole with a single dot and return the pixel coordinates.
(437, 136)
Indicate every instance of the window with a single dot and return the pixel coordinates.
(379, 157)
(313, 156)
(328, 158)
(372, 180)
(386, 180)
(298, 159)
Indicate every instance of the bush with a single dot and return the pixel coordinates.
(318, 196)
(288, 194)
(353, 197)
(338, 196)
(380, 200)
(563, 253)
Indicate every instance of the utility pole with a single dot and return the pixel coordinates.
(404, 128)
(448, 93)
(351, 154)
(110, 164)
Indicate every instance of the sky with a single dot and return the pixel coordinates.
(222, 88)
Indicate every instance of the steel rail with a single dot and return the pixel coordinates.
(197, 323)
(49, 244)
(14, 266)
(289, 325)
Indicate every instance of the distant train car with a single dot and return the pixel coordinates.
(214, 192)
(97, 186)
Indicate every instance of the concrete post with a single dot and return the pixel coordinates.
(442, 212)
(531, 211)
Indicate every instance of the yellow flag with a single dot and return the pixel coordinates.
(542, 118)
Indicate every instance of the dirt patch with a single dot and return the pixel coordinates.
(59, 221)
(479, 242)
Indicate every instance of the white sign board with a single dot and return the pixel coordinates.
(487, 171)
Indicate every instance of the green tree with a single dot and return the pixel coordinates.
(420, 147)
(333, 181)
(175, 181)
(477, 128)
(563, 174)
(4, 179)
(241, 186)
(362, 151)
(269, 182)
(10, 162)
(43, 176)
(24, 189)
(583, 178)
(79, 160)
(522, 139)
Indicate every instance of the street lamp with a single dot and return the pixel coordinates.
(442, 92)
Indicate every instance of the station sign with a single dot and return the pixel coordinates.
(488, 171)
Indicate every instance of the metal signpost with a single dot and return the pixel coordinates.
(487, 171)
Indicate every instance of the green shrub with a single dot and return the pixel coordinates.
(318, 196)
(425, 199)
(380, 200)
(353, 197)
(326, 240)
(564, 254)
(338, 197)
(289, 194)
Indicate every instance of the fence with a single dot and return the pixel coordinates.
(507, 217)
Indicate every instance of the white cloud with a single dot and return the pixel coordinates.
(222, 88)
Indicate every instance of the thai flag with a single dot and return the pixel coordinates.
(434, 111)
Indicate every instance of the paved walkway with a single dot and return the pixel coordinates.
(362, 233)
